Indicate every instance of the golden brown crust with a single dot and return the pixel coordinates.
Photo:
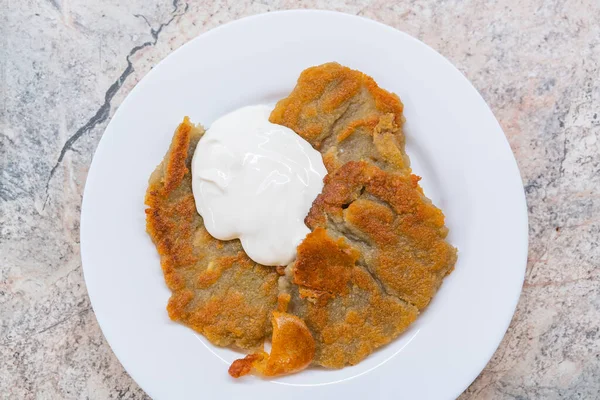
(243, 366)
(324, 264)
(347, 327)
(283, 301)
(292, 349)
(217, 290)
(292, 346)
(400, 233)
(371, 209)
(176, 168)
(339, 111)
(375, 257)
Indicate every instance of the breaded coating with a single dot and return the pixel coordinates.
(217, 289)
(399, 234)
(350, 322)
(344, 114)
(284, 358)
(375, 256)
(377, 251)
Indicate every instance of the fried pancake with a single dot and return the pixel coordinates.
(377, 251)
(398, 233)
(346, 116)
(350, 321)
(375, 256)
(217, 289)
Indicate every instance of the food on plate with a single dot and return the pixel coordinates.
(256, 181)
(374, 255)
(284, 359)
(347, 117)
(217, 289)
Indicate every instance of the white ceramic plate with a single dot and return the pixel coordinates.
(453, 140)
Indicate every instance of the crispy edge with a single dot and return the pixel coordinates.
(292, 350)
(418, 220)
(163, 181)
(176, 169)
(312, 84)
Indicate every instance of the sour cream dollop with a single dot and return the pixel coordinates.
(256, 181)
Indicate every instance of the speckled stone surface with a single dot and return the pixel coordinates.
(65, 66)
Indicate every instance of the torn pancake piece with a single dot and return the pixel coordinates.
(292, 350)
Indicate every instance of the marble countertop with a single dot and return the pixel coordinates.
(65, 66)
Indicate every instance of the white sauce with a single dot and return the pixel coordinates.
(256, 181)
